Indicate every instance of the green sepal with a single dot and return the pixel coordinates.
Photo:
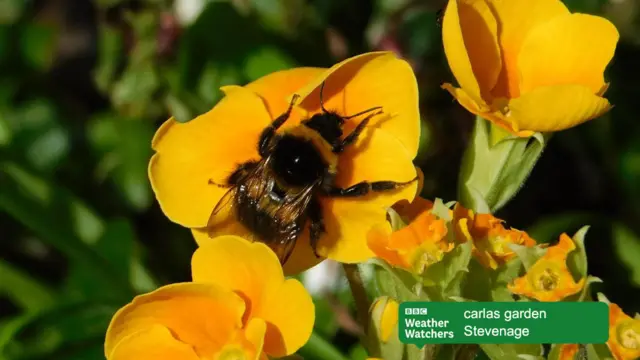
(448, 274)
(397, 283)
(529, 255)
(585, 294)
(599, 352)
(495, 165)
(577, 259)
(513, 351)
(484, 284)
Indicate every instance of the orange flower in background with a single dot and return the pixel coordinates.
(549, 279)
(528, 66)
(239, 306)
(624, 334)
(191, 156)
(490, 238)
(568, 351)
(416, 246)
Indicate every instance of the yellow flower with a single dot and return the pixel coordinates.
(490, 238)
(528, 66)
(568, 351)
(239, 306)
(386, 310)
(416, 246)
(624, 334)
(210, 147)
(549, 279)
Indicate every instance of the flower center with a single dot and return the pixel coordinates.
(547, 280)
(231, 353)
(629, 335)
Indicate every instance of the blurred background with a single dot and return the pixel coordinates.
(85, 84)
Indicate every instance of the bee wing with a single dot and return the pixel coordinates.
(223, 218)
(222, 210)
(292, 211)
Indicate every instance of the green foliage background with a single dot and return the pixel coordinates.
(84, 84)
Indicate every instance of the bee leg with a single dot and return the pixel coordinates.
(270, 131)
(316, 228)
(238, 174)
(223, 186)
(353, 136)
(363, 188)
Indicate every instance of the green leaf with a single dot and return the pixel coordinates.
(60, 220)
(38, 137)
(110, 49)
(60, 329)
(23, 290)
(133, 92)
(358, 352)
(11, 10)
(513, 351)
(495, 165)
(412, 352)
(317, 348)
(627, 247)
(123, 146)
(549, 228)
(265, 60)
(38, 45)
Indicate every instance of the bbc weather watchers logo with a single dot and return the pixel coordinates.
(415, 311)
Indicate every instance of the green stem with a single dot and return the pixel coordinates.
(317, 348)
(359, 294)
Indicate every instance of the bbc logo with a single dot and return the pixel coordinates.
(415, 311)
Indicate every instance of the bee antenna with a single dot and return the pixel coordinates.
(321, 99)
(362, 112)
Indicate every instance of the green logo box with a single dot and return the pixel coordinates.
(423, 323)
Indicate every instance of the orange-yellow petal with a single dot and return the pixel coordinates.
(276, 88)
(347, 224)
(153, 343)
(247, 345)
(468, 103)
(260, 281)
(549, 279)
(573, 49)
(302, 256)
(209, 147)
(234, 263)
(204, 316)
(515, 21)
(378, 241)
(379, 157)
(568, 352)
(469, 33)
(624, 334)
(555, 108)
(367, 81)
(389, 321)
(290, 315)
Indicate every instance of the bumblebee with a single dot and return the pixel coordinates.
(275, 197)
